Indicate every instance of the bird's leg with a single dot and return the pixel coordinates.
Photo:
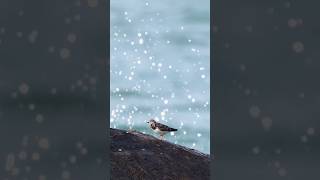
(161, 137)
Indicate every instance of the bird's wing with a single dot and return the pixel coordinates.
(163, 127)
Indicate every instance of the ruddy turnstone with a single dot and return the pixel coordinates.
(160, 128)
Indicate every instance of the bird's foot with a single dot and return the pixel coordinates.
(161, 138)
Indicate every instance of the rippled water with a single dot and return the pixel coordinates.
(160, 68)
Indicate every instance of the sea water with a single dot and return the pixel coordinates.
(160, 68)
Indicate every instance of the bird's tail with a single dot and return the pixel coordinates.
(173, 129)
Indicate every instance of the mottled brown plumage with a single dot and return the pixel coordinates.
(160, 128)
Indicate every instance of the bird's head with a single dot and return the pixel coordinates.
(151, 121)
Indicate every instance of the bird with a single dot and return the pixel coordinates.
(160, 128)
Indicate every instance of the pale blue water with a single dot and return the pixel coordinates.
(160, 68)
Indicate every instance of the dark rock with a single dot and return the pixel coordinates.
(135, 155)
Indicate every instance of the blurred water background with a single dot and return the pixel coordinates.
(160, 68)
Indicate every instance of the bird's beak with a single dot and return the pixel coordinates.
(148, 122)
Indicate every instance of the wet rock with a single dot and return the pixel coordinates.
(135, 155)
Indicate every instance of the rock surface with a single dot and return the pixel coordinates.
(135, 155)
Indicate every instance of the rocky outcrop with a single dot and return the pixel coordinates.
(135, 155)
